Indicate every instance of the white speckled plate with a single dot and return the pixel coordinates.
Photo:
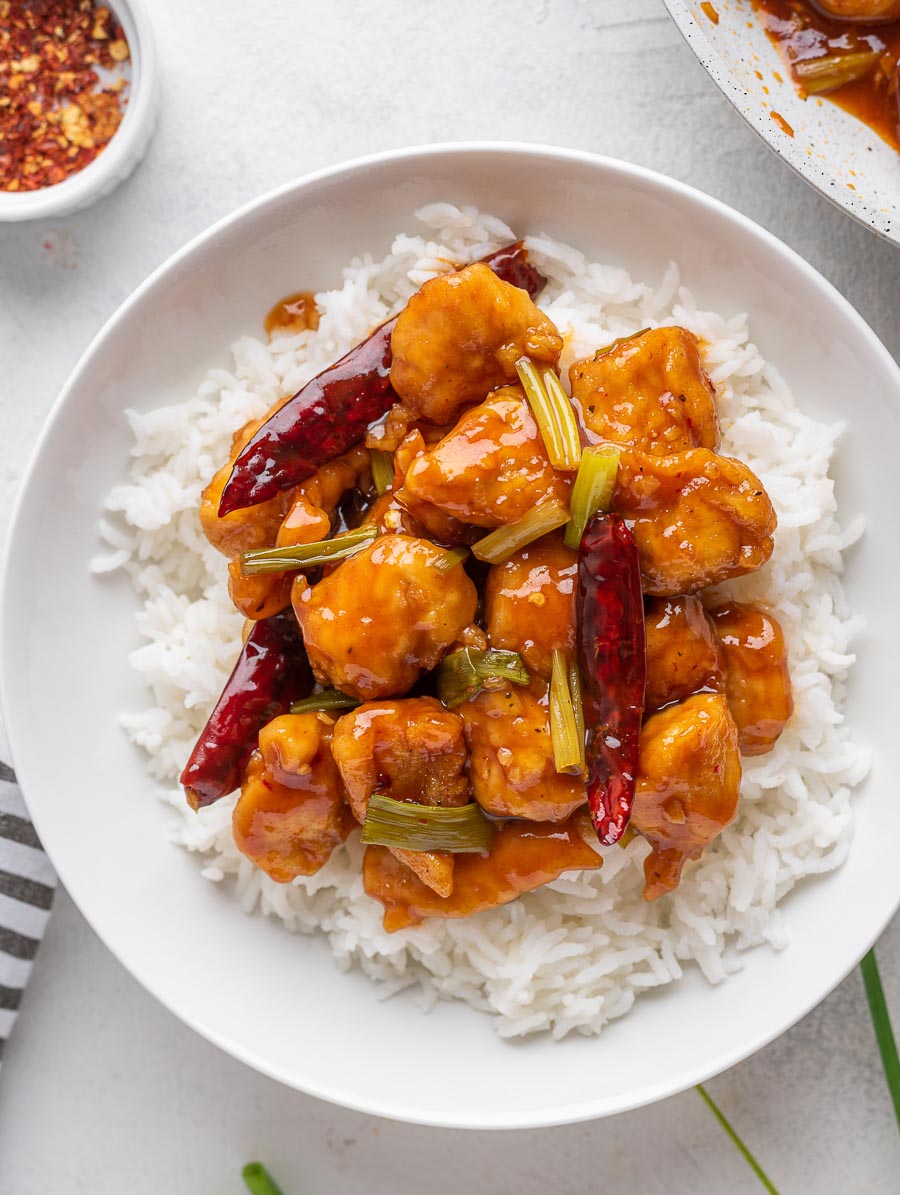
(838, 154)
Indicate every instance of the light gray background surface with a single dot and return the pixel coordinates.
(103, 1091)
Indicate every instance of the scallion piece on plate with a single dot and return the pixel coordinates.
(553, 414)
(463, 674)
(577, 704)
(821, 75)
(285, 560)
(568, 747)
(451, 559)
(407, 826)
(593, 489)
(499, 545)
(382, 464)
(328, 699)
(258, 1181)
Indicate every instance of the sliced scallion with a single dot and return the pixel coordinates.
(821, 75)
(568, 749)
(463, 674)
(328, 699)
(382, 465)
(568, 425)
(289, 559)
(407, 826)
(499, 545)
(577, 705)
(553, 414)
(451, 559)
(593, 489)
(258, 1180)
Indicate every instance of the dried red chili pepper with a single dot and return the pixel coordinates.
(331, 413)
(613, 657)
(271, 672)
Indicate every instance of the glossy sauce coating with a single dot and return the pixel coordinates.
(758, 681)
(294, 313)
(383, 617)
(689, 777)
(530, 603)
(490, 470)
(511, 757)
(683, 653)
(649, 390)
(697, 518)
(802, 32)
(523, 857)
(291, 813)
(460, 336)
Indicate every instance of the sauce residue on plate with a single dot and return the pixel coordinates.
(782, 123)
(802, 35)
(710, 12)
(294, 313)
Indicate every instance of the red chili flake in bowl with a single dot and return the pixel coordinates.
(55, 117)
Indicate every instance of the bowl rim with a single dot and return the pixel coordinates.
(126, 145)
(564, 1114)
(852, 204)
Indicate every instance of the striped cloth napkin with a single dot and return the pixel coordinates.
(27, 884)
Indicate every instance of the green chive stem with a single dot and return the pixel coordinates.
(405, 825)
(593, 490)
(451, 559)
(578, 707)
(500, 544)
(464, 673)
(258, 1180)
(736, 1140)
(884, 1033)
(553, 415)
(382, 466)
(568, 749)
(289, 559)
(328, 699)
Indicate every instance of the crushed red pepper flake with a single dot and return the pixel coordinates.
(55, 117)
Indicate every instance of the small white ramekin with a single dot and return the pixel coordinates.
(127, 145)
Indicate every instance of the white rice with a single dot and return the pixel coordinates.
(576, 953)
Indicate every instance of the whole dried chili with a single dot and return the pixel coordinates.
(613, 658)
(331, 413)
(271, 673)
(54, 117)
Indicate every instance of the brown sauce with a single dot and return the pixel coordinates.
(294, 313)
(802, 34)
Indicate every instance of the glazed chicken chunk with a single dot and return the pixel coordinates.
(383, 617)
(860, 10)
(688, 784)
(491, 469)
(522, 857)
(697, 518)
(291, 813)
(411, 750)
(511, 757)
(758, 684)
(650, 391)
(460, 336)
(530, 603)
(683, 653)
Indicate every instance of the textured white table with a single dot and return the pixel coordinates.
(102, 1090)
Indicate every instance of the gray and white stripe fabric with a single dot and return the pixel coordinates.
(27, 885)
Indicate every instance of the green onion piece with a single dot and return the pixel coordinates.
(568, 750)
(411, 827)
(578, 706)
(463, 674)
(568, 425)
(550, 415)
(820, 75)
(382, 465)
(614, 344)
(502, 543)
(451, 559)
(258, 1180)
(884, 1033)
(284, 560)
(736, 1140)
(593, 489)
(328, 699)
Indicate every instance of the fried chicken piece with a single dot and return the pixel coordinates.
(383, 617)
(410, 750)
(491, 469)
(683, 654)
(758, 681)
(697, 518)
(291, 813)
(460, 336)
(511, 757)
(650, 391)
(530, 602)
(523, 856)
(688, 784)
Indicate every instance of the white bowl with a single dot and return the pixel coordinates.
(128, 144)
(277, 1001)
(838, 154)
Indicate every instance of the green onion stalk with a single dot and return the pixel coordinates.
(463, 674)
(593, 490)
(502, 543)
(553, 414)
(299, 556)
(408, 826)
